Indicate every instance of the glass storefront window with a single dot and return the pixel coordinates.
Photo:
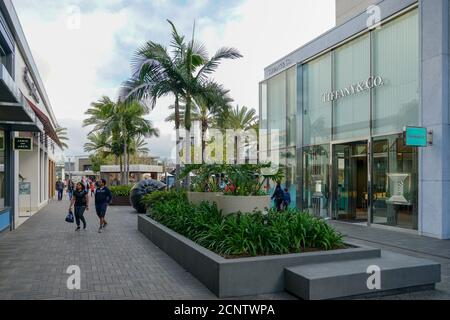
(316, 180)
(263, 112)
(291, 171)
(395, 181)
(2, 171)
(396, 59)
(317, 113)
(351, 114)
(292, 107)
(276, 90)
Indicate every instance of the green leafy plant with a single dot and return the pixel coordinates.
(241, 180)
(159, 197)
(240, 235)
(120, 191)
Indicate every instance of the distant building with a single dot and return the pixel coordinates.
(137, 173)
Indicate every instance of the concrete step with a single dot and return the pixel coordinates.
(345, 279)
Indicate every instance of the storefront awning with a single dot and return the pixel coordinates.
(48, 127)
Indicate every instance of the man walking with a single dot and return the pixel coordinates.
(103, 198)
(60, 189)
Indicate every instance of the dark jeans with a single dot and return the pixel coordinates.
(60, 194)
(79, 216)
(278, 204)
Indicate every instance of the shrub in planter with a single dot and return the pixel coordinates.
(120, 191)
(250, 234)
(121, 195)
(157, 197)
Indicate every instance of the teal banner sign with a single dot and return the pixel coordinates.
(416, 137)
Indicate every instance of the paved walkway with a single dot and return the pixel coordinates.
(122, 264)
(409, 244)
(117, 264)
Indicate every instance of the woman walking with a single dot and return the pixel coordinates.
(278, 196)
(80, 201)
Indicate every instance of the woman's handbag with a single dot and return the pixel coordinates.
(70, 218)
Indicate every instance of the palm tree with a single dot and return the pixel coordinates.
(99, 114)
(61, 133)
(184, 74)
(129, 119)
(241, 119)
(209, 110)
(116, 127)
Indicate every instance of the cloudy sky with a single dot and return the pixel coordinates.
(83, 48)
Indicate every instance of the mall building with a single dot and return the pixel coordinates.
(27, 128)
(364, 117)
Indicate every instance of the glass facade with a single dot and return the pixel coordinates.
(354, 104)
(351, 115)
(278, 111)
(316, 112)
(316, 160)
(395, 181)
(396, 59)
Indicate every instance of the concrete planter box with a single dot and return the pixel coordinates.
(233, 204)
(121, 201)
(238, 277)
(199, 197)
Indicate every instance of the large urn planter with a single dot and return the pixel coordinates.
(199, 197)
(234, 204)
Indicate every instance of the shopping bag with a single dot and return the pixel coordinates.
(70, 218)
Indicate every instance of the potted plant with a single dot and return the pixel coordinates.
(245, 189)
(121, 195)
(204, 184)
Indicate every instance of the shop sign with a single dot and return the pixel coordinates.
(370, 83)
(416, 137)
(23, 144)
(24, 188)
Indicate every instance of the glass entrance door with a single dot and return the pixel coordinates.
(350, 182)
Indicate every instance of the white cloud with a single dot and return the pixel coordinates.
(73, 63)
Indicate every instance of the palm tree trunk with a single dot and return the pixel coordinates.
(204, 128)
(187, 124)
(177, 129)
(121, 169)
(126, 176)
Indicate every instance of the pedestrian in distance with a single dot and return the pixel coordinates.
(60, 189)
(278, 196)
(92, 188)
(287, 199)
(70, 189)
(80, 201)
(103, 198)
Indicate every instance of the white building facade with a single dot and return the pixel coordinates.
(28, 138)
